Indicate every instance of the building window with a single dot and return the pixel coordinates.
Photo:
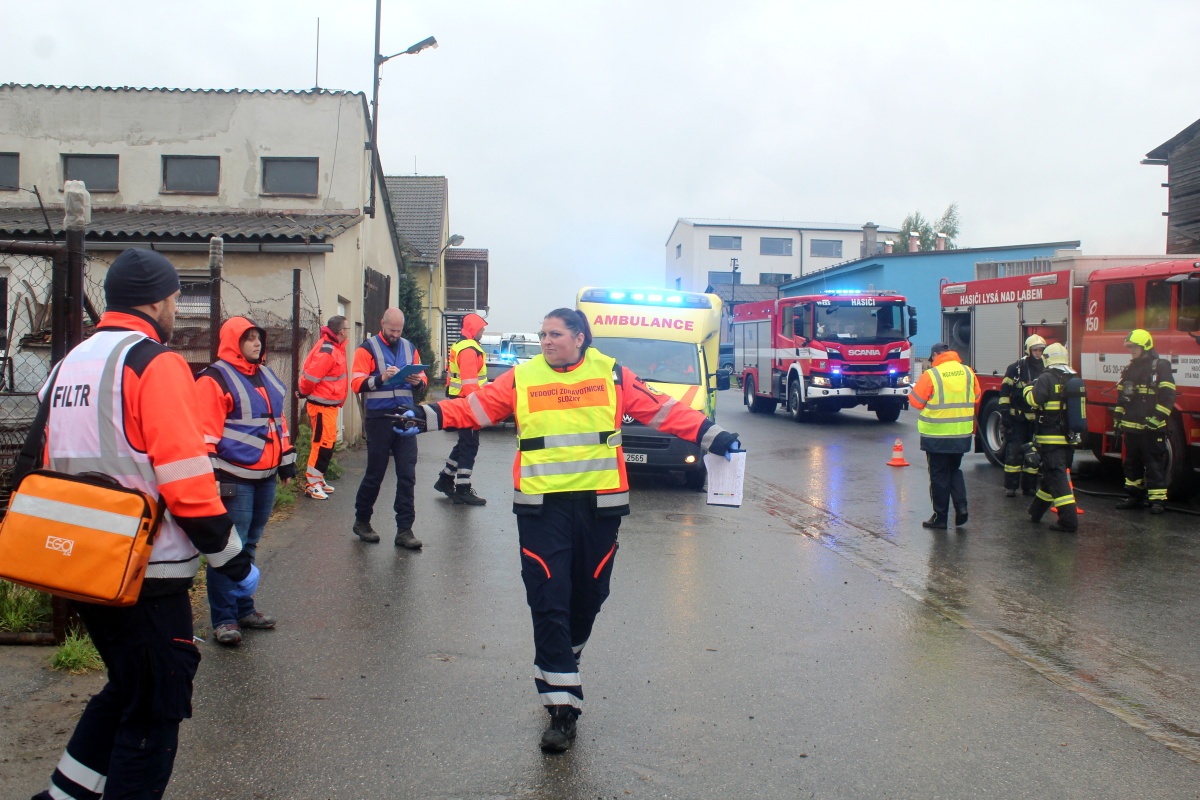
(825, 248)
(98, 173)
(1157, 316)
(10, 164)
(191, 174)
(774, 278)
(725, 277)
(678, 250)
(768, 246)
(1120, 307)
(724, 243)
(290, 176)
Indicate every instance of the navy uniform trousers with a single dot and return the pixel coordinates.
(123, 747)
(385, 445)
(567, 555)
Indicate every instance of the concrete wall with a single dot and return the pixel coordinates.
(140, 127)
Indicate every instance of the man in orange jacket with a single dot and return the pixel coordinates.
(376, 363)
(142, 430)
(947, 397)
(241, 410)
(323, 384)
(466, 373)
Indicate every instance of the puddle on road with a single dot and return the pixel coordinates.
(1117, 678)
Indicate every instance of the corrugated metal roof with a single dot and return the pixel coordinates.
(418, 203)
(466, 254)
(6, 86)
(782, 224)
(143, 221)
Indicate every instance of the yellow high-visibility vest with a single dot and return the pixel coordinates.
(454, 379)
(950, 412)
(566, 422)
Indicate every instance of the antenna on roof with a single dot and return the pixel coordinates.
(317, 66)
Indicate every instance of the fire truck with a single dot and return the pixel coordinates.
(822, 353)
(1090, 310)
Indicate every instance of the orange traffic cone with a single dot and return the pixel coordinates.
(1071, 483)
(898, 455)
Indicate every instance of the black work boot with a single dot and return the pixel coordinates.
(960, 517)
(937, 523)
(1129, 503)
(406, 540)
(558, 737)
(445, 484)
(1157, 507)
(364, 531)
(465, 495)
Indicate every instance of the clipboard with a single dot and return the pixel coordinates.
(404, 373)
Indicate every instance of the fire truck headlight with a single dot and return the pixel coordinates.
(904, 380)
(689, 460)
(819, 381)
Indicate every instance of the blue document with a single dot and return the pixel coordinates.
(402, 375)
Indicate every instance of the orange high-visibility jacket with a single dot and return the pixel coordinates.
(323, 379)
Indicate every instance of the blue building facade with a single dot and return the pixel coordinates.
(918, 277)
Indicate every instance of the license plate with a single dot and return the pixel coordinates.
(635, 458)
(868, 391)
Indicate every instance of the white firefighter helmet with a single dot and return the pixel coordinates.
(1032, 342)
(1056, 355)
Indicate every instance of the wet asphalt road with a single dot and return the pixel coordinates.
(816, 642)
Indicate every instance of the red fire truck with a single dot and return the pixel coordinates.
(1090, 311)
(822, 353)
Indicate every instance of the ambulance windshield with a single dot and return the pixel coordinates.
(861, 324)
(654, 360)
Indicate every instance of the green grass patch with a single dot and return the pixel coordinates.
(23, 610)
(77, 655)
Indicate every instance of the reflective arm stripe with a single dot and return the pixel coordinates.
(481, 415)
(710, 434)
(661, 416)
(432, 419)
(1163, 410)
(290, 458)
(181, 470)
(232, 548)
(612, 499)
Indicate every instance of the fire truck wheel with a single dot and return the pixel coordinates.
(991, 432)
(757, 405)
(1178, 476)
(795, 405)
(888, 413)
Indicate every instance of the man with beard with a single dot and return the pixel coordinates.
(142, 429)
(376, 362)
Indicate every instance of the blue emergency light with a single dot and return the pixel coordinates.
(647, 298)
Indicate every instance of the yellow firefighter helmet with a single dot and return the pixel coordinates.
(1032, 342)
(1056, 355)
(1141, 338)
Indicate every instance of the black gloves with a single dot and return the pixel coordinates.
(724, 442)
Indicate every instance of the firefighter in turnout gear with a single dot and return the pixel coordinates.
(570, 487)
(1019, 419)
(1054, 442)
(1146, 397)
(466, 374)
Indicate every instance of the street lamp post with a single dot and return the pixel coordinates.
(454, 241)
(380, 60)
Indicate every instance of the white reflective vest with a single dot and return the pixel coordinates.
(90, 437)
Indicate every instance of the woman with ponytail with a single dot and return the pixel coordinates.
(570, 488)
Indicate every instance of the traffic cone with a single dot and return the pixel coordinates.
(1078, 508)
(898, 455)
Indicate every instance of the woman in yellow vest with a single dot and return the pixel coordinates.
(569, 487)
(947, 397)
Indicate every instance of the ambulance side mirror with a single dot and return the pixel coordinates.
(723, 378)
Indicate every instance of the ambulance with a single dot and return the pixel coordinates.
(670, 340)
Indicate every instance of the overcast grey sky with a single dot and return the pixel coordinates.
(573, 134)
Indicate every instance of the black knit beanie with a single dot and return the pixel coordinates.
(140, 277)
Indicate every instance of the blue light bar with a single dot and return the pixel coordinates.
(617, 295)
(674, 299)
(648, 297)
(843, 291)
